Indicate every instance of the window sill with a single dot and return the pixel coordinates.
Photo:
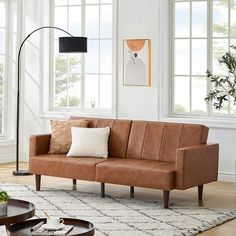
(87, 113)
(215, 122)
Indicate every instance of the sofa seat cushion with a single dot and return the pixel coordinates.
(137, 172)
(62, 166)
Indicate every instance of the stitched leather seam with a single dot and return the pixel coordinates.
(144, 138)
(162, 140)
(181, 138)
(127, 143)
(110, 138)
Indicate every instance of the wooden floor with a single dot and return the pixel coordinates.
(217, 194)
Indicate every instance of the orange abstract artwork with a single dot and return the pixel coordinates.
(137, 62)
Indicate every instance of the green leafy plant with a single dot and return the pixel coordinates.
(3, 196)
(224, 87)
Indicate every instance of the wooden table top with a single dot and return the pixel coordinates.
(17, 211)
(80, 227)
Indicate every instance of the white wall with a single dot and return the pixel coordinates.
(227, 140)
(136, 19)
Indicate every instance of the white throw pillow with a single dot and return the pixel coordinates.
(91, 142)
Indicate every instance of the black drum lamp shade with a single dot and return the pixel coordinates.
(72, 44)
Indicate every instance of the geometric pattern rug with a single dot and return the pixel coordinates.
(119, 216)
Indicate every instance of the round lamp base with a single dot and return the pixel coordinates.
(21, 172)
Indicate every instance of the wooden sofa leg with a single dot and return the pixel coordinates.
(132, 191)
(102, 190)
(74, 181)
(166, 196)
(38, 182)
(200, 192)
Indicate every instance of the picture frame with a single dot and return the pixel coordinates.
(137, 62)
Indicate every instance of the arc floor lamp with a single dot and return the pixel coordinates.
(66, 45)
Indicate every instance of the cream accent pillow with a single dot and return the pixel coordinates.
(91, 142)
(61, 134)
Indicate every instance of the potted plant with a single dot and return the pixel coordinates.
(224, 87)
(3, 203)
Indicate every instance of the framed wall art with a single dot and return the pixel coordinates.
(137, 62)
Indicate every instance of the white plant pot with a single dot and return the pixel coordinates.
(3, 209)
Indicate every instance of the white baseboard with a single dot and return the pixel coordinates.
(226, 176)
(12, 158)
(7, 158)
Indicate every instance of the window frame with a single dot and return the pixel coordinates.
(82, 110)
(209, 38)
(4, 133)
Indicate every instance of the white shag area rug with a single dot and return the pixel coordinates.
(117, 216)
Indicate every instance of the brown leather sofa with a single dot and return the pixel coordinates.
(145, 154)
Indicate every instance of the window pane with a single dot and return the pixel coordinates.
(182, 19)
(92, 21)
(61, 65)
(182, 94)
(1, 107)
(91, 91)
(106, 21)
(74, 90)
(2, 41)
(220, 18)
(1, 90)
(1, 69)
(222, 111)
(106, 1)
(60, 2)
(233, 19)
(106, 91)
(74, 63)
(199, 56)
(199, 91)
(75, 21)
(182, 57)
(75, 2)
(232, 42)
(2, 14)
(91, 58)
(199, 19)
(106, 56)
(220, 46)
(60, 99)
(60, 21)
(92, 1)
(232, 106)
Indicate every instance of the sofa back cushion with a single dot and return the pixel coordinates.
(159, 141)
(149, 140)
(119, 134)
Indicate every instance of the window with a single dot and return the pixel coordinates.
(83, 81)
(2, 63)
(202, 31)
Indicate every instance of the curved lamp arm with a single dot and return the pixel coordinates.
(43, 27)
(17, 172)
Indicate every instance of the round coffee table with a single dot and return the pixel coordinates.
(80, 227)
(17, 211)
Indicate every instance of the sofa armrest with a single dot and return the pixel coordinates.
(39, 144)
(196, 165)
